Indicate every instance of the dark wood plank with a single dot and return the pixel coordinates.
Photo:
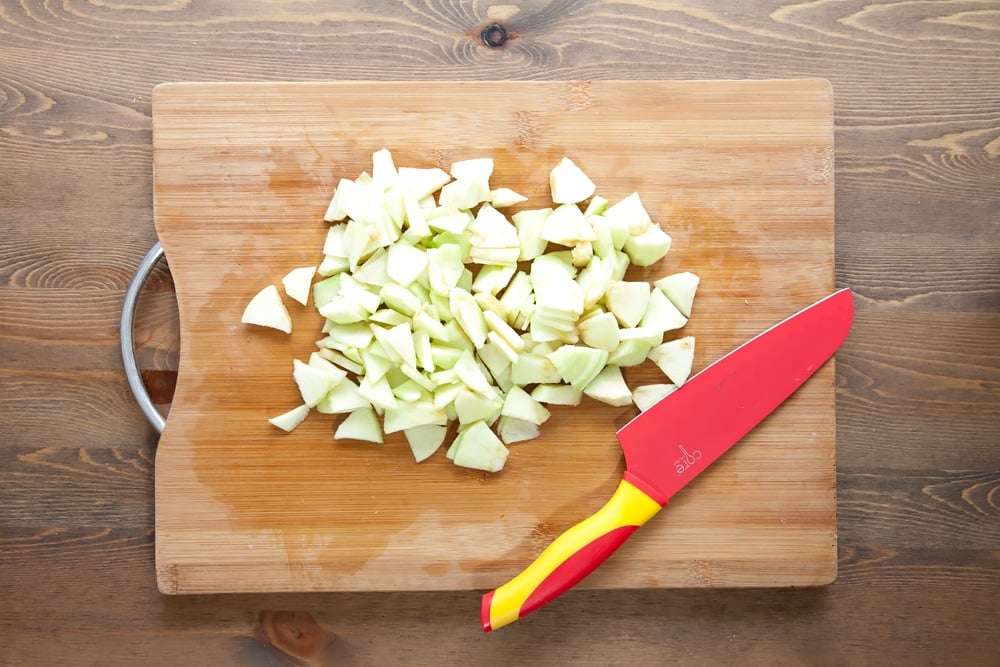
(920, 390)
(918, 237)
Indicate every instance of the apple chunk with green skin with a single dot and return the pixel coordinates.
(425, 440)
(290, 420)
(649, 247)
(412, 415)
(267, 309)
(313, 383)
(557, 394)
(478, 447)
(609, 387)
(512, 429)
(661, 314)
(361, 424)
(675, 358)
(680, 288)
(578, 365)
(520, 405)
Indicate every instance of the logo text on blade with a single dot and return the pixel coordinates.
(686, 459)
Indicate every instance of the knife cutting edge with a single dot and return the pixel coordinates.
(673, 441)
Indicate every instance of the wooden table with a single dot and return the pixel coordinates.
(917, 97)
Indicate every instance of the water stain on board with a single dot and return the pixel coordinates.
(717, 247)
(294, 173)
(323, 514)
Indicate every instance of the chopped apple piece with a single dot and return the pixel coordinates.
(477, 447)
(405, 263)
(341, 360)
(597, 206)
(377, 392)
(291, 419)
(313, 382)
(519, 404)
(472, 375)
(609, 387)
(472, 407)
(601, 332)
(557, 394)
(578, 365)
(529, 226)
(569, 184)
(397, 342)
(384, 169)
(628, 301)
(469, 316)
(297, 283)
(444, 267)
(504, 197)
(266, 309)
(675, 358)
(504, 332)
(532, 368)
(567, 226)
(344, 397)
(361, 424)
(325, 290)
(421, 183)
(649, 247)
(493, 278)
(512, 429)
(680, 288)
(319, 363)
(465, 193)
(480, 168)
(425, 440)
(335, 211)
(417, 413)
(661, 314)
(333, 265)
(629, 214)
(648, 395)
(630, 353)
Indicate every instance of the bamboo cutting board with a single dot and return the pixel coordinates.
(739, 173)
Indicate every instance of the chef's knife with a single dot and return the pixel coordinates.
(673, 441)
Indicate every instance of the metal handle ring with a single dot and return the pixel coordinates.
(127, 338)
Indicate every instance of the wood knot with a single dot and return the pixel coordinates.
(295, 633)
(494, 35)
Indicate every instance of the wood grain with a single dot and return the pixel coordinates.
(917, 238)
(739, 173)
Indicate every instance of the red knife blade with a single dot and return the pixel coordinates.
(673, 441)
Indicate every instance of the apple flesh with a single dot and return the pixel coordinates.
(680, 288)
(297, 283)
(425, 440)
(569, 184)
(478, 447)
(648, 395)
(361, 424)
(290, 420)
(266, 309)
(675, 358)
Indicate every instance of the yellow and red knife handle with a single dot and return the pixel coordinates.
(571, 557)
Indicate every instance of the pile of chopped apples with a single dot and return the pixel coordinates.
(440, 308)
